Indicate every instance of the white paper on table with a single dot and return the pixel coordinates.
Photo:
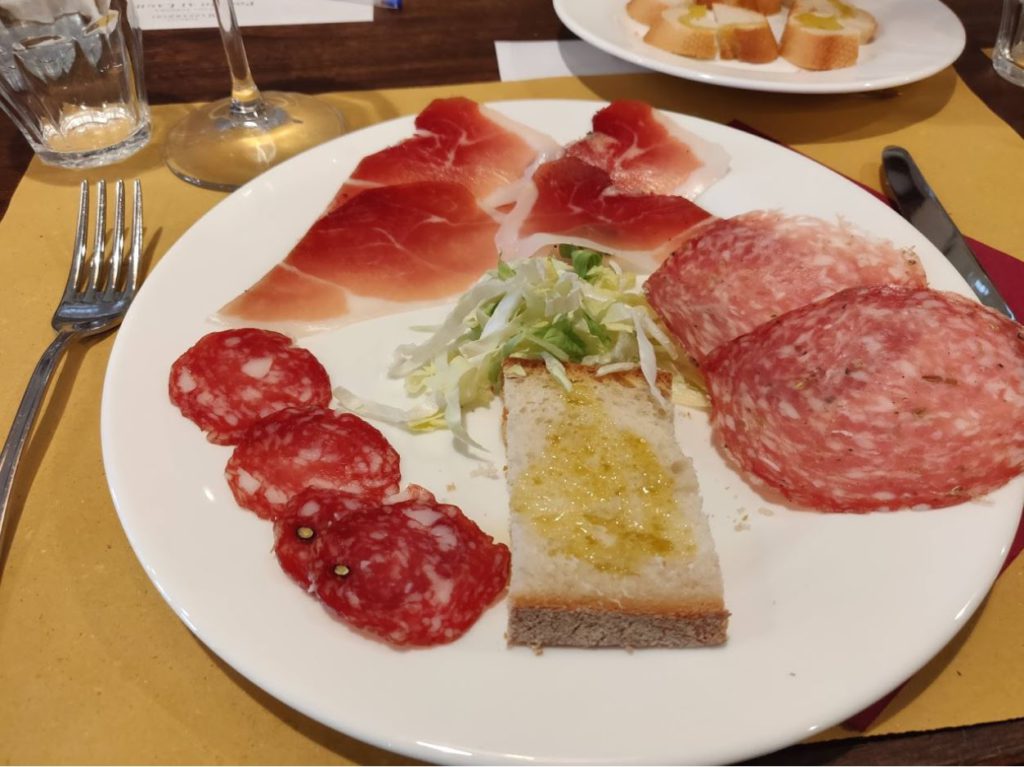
(191, 14)
(555, 58)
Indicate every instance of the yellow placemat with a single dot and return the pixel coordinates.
(96, 668)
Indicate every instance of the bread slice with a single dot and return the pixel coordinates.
(851, 16)
(649, 11)
(689, 30)
(610, 547)
(744, 35)
(818, 41)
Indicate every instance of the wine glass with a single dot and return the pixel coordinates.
(226, 143)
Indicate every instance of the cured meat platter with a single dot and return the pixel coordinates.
(829, 612)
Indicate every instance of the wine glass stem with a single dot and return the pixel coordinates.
(245, 96)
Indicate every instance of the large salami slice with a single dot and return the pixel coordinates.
(294, 449)
(230, 379)
(738, 273)
(413, 572)
(874, 399)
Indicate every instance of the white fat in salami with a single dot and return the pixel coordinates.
(230, 379)
(411, 572)
(737, 273)
(295, 449)
(875, 398)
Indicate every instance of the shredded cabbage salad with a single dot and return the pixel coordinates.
(574, 308)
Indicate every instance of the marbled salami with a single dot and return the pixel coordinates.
(875, 398)
(306, 518)
(294, 449)
(230, 379)
(738, 273)
(412, 572)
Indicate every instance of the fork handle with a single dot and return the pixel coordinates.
(23, 421)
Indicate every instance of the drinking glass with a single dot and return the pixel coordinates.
(1008, 54)
(71, 79)
(226, 143)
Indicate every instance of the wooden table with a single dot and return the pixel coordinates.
(451, 41)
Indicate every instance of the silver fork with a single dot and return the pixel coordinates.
(96, 297)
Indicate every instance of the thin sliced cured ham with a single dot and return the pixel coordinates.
(571, 201)
(390, 248)
(459, 141)
(647, 153)
(875, 398)
(738, 273)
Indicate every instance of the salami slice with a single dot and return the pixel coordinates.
(414, 573)
(874, 399)
(233, 378)
(306, 518)
(738, 273)
(298, 448)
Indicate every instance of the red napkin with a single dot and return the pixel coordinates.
(1007, 274)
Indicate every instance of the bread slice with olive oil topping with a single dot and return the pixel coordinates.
(816, 40)
(610, 547)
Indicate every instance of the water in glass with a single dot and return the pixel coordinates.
(71, 79)
(1008, 54)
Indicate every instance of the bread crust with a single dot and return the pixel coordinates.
(553, 627)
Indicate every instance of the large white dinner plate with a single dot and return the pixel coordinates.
(916, 39)
(829, 611)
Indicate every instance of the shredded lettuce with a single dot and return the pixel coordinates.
(574, 308)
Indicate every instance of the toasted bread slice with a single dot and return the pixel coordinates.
(610, 547)
(744, 35)
(649, 11)
(687, 31)
(818, 41)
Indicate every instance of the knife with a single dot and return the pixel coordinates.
(917, 203)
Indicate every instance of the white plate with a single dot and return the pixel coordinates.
(916, 39)
(829, 611)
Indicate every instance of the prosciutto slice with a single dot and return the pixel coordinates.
(571, 201)
(459, 141)
(646, 153)
(388, 249)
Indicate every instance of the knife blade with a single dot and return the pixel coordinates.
(917, 203)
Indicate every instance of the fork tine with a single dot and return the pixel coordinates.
(135, 253)
(81, 232)
(117, 251)
(99, 239)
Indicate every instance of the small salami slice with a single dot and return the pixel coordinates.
(233, 378)
(414, 573)
(738, 273)
(306, 518)
(875, 399)
(296, 448)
